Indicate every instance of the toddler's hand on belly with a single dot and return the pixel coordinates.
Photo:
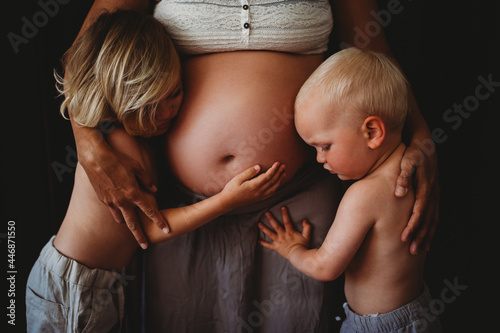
(244, 189)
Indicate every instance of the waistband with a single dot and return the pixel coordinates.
(308, 174)
(389, 321)
(74, 272)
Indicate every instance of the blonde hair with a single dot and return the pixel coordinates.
(363, 81)
(121, 67)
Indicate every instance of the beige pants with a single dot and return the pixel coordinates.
(219, 279)
(65, 296)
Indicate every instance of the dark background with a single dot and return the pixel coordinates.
(444, 47)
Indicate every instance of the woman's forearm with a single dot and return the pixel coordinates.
(352, 17)
(416, 126)
(87, 141)
(111, 5)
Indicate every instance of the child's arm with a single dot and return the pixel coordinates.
(241, 190)
(352, 223)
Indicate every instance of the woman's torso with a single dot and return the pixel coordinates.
(238, 105)
(237, 112)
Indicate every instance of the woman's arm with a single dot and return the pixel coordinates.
(119, 181)
(111, 5)
(352, 18)
(245, 188)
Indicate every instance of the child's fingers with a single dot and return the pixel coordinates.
(247, 174)
(306, 229)
(267, 231)
(280, 175)
(274, 186)
(286, 219)
(273, 169)
(276, 226)
(270, 186)
(267, 176)
(267, 244)
(275, 175)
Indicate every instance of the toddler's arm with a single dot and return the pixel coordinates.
(242, 190)
(352, 223)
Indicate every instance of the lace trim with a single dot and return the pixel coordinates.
(203, 26)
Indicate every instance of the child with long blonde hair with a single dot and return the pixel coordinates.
(124, 69)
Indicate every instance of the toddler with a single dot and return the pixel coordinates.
(352, 110)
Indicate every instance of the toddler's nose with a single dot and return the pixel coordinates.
(320, 158)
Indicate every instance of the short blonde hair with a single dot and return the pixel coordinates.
(121, 67)
(364, 81)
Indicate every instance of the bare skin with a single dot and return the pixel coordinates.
(225, 158)
(380, 273)
(364, 241)
(418, 166)
(90, 236)
(240, 97)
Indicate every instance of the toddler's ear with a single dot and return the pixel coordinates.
(374, 129)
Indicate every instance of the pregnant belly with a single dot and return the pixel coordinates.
(237, 112)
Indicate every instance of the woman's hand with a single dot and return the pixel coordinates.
(243, 189)
(119, 181)
(285, 240)
(419, 164)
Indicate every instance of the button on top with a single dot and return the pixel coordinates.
(246, 25)
(245, 7)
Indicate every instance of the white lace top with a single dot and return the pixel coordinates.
(206, 26)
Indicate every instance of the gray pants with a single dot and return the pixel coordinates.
(219, 279)
(65, 296)
(409, 318)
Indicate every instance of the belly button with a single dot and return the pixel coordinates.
(228, 158)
